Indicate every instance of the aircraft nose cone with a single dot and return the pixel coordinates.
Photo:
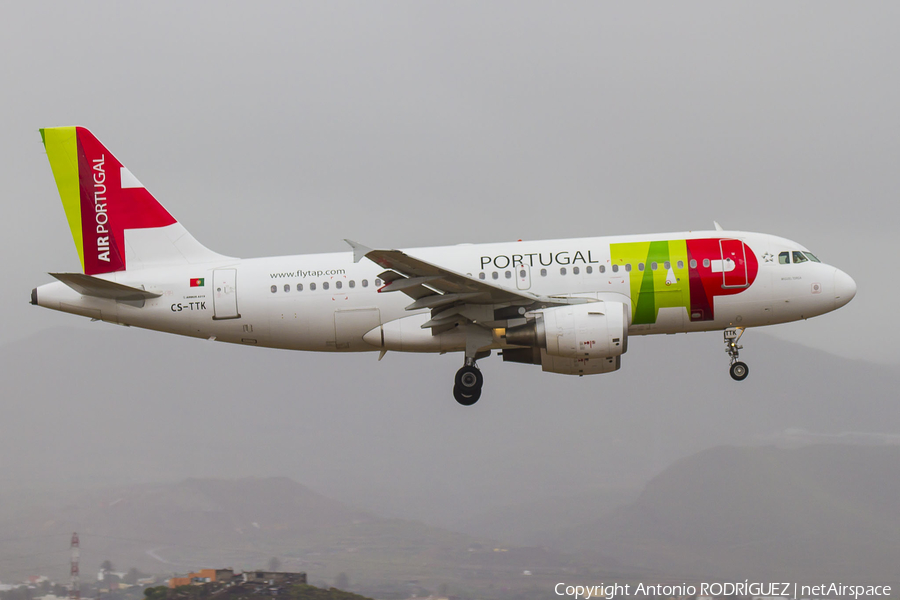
(844, 288)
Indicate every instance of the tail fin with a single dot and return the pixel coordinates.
(116, 223)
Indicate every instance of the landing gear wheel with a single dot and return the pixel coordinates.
(469, 379)
(467, 385)
(466, 398)
(739, 371)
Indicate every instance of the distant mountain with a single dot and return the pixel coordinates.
(531, 522)
(243, 523)
(101, 406)
(203, 512)
(828, 512)
(223, 523)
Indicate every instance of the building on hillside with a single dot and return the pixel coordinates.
(274, 577)
(203, 576)
(268, 578)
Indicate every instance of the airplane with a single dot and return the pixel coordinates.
(568, 305)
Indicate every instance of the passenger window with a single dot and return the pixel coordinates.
(615, 268)
(522, 274)
(377, 282)
(299, 287)
(352, 284)
(601, 269)
(706, 262)
(799, 258)
(509, 274)
(312, 287)
(628, 267)
(495, 275)
(589, 269)
(274, 288)
(640, 266)
(680, 264)
(574, 270)
(543, 272)
(693, 263)
(481, 276)
(365, 282)
(562, 270)
(666, 265)
(338, 284)
(287, 287)
(324, 285)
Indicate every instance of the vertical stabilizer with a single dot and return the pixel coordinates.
(115, 222)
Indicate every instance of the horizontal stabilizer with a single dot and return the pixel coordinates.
(101, 288)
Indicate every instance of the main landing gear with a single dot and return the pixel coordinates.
(738, 370)
(468, 382)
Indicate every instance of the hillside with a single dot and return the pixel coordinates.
(104, 405)
(196, 523)
(101, 408)
(813, 513)
(247, 592)
(161, 528)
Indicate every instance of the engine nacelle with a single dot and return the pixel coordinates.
(591, 330)
(579, 339)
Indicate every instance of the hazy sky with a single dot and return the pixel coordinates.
(282, 128)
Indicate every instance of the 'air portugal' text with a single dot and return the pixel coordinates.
(100, 213)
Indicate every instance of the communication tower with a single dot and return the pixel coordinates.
(75, 592)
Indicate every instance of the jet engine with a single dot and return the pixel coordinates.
(577, 339)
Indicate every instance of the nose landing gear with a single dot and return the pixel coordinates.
(738, 370)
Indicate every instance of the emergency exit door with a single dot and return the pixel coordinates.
(523, 276)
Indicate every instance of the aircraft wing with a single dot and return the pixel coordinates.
(454, 298)
(420, 280)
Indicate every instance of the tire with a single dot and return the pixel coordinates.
(465, 398)
(739, 371)
(469, 380)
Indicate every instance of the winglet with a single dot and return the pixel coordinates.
(359, 251)
(718, 227)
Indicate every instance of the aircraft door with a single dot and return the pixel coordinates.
(225, 294)
(733, 264)
(523, 275)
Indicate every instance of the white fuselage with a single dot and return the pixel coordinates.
(328, 302)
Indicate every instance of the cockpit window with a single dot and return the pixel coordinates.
(799, 258)
(784, 258)
(811, 257)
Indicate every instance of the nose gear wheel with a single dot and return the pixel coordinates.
(738, 369)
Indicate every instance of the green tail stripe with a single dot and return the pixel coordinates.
(61, 144)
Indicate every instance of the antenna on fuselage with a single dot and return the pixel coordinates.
(717, 226)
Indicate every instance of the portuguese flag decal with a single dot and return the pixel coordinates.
(197, 282)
